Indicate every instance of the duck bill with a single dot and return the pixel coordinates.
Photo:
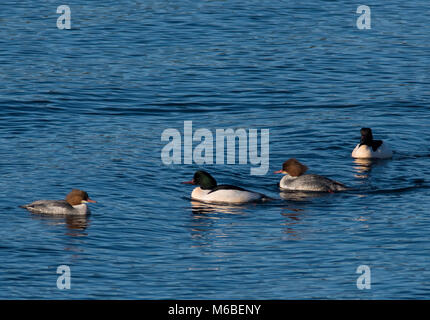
(188, 182)
(279, 171)
(90, 200)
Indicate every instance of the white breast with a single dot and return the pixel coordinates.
(80, 209)
(225, 195)
(383, 152)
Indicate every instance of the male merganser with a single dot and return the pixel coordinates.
(74, 204)
(209, 191)
(295, 179)
(369, 148)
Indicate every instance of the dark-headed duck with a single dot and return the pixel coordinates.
(210, 191)
(369, 148)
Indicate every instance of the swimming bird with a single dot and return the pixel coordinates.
(74, 204)
(295, 179)
(210, 191)
(369, 148)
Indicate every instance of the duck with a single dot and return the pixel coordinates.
(296, 180)
(74, 204)
(209, 191)
(369, 148)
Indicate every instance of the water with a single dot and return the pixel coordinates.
(85, 108)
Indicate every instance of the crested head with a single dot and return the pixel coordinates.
(293, 167)
(77, 196)
(204, 180)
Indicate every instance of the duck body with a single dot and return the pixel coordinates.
(369, 148)
(209, 191)
(226, 194)
(362, 151)
(74, 204)
(56, 207)
(310, 182)
(296, 180)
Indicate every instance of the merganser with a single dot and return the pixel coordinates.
(209, 191)
(295, 179)
(369, 148)
(74, 204)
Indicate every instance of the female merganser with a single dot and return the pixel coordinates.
(209, 191)
(295, 179)
(369, 148)
(75, 204)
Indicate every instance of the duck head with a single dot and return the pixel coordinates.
(293, 168)
(203, 179)
(76, 197)
(366, 136)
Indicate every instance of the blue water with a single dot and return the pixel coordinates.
(85, 108)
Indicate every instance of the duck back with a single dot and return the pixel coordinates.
(56, 207)
(310, 182)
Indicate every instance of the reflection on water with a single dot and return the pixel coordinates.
(206, 217)
(363, 167)
(201, 208)
(291, 220)
(76, 224)
(301, 195)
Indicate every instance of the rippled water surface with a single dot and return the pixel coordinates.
(85, 108)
